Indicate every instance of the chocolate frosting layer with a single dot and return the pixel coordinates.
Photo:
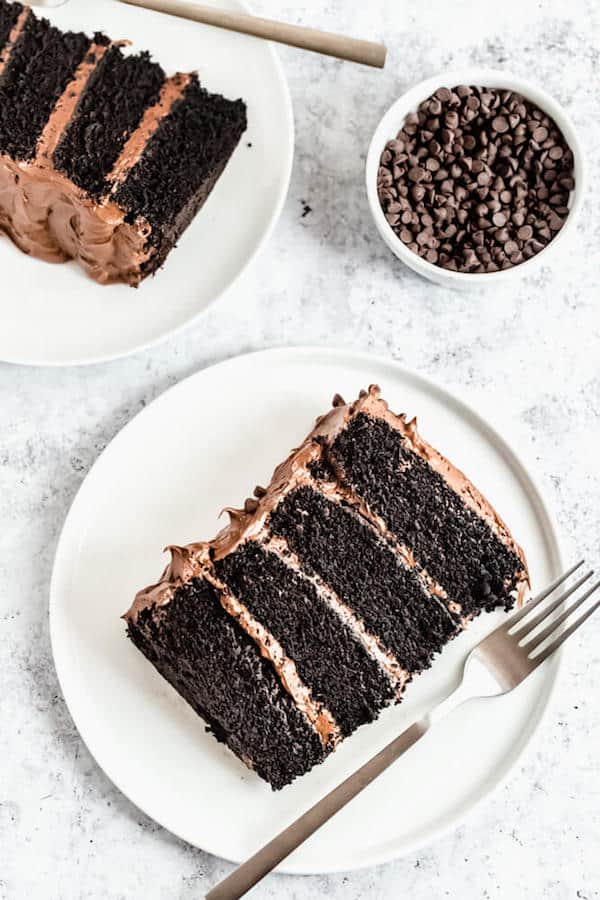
(385, 659)
(66, 104)
(13, 37)
(171, 91)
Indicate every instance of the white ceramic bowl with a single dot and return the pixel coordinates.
(392, 122)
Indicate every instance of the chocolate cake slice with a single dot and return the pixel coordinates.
(343, 579)
(103, 158)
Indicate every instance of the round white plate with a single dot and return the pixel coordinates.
(201, 446)
(55, 314)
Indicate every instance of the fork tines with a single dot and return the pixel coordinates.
(531, 642)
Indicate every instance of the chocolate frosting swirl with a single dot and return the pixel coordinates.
(48, 217)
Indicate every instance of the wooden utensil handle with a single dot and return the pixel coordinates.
(365, 52)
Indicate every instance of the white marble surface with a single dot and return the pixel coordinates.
(325, 278)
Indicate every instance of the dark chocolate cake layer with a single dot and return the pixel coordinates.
(102, 159)
(218, 669)
(118, 92)
(328, 657)
(366, 574)
(364, 556)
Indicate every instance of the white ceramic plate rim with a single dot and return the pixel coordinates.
(287, 162)
(409, 101)
(452, 820)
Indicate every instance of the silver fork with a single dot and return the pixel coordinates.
(500, 662)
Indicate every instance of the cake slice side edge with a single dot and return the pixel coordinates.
(212, 662)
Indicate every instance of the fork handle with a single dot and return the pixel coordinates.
(365, 52)
(249, 873)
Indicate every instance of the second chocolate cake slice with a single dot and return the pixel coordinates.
(103, 158)
(343, 579)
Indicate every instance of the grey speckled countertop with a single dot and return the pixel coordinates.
(325, 278)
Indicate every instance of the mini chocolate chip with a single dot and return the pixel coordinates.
(416, 174)
(555, 222)
(543, 231)
(558, 199)
(395, 146)
(500, 124)
(525, 232)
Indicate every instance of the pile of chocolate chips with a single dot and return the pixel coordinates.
(477, 179)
